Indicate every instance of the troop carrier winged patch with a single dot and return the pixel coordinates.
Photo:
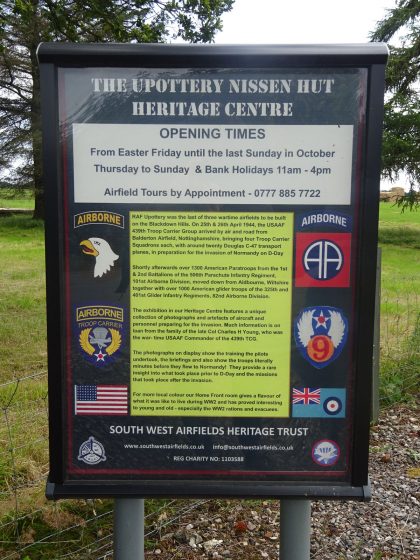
(321, 334)
(100, 329)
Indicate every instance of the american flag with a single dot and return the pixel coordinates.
(107, 400)
(306, 396)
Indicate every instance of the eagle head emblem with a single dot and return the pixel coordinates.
(102, 252)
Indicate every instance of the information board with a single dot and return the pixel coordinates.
(211, 242)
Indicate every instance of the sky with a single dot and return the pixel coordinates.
(305, 22)
(302, 21)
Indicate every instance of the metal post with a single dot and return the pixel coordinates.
(295, 529)
(128, 529)
(376, 340)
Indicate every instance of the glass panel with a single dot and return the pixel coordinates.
(210, 270)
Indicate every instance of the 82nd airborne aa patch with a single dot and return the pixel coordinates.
(99, 332)
(320, 334)
(323, 260)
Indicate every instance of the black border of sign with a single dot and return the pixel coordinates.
(371, 56)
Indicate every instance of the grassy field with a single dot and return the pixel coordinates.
(23, 399)
(22, 302)
(22, 288)
(23, 430)
(399, 238)
(390, 214)
(8, 199)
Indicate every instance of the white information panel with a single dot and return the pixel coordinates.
(197, 164)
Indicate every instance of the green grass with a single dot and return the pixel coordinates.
(399, 237)
(12, 198)
(77, 523)
(22, 305)
(23, 405)
(22, 302)
(397, 228)
(407, 236)
(389, 213)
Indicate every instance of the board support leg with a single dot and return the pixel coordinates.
(128, 529)
(295, 529)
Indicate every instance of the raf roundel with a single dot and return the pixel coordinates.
(332, 406)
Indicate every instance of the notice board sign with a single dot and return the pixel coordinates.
(211, 252)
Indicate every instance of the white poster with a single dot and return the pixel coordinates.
(224, 164)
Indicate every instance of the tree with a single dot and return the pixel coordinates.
(401, 140)
(26, 23)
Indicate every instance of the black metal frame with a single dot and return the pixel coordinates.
(372, 57)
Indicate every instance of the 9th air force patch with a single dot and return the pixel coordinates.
(320, 334)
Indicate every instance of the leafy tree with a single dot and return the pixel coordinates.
(401, 142)
(26, 23)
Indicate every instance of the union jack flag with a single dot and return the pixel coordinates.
(306, 395)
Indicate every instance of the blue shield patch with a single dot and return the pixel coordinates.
(320, 334)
